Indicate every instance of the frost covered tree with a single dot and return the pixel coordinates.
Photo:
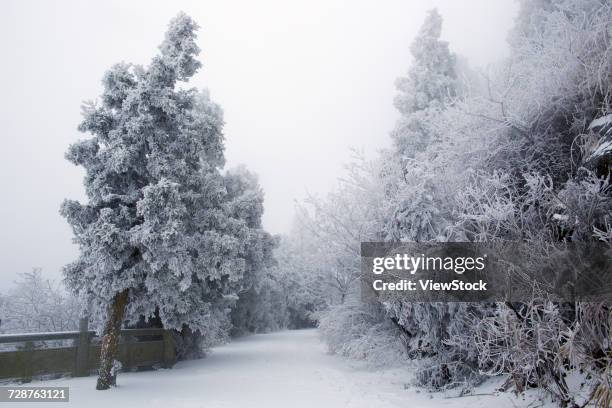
(428, 86)
(36, 304)
(259, 306)
(163, 231)
(530, 20)
(304, 291)
(325, 249)
(3, 303)
(337, 224)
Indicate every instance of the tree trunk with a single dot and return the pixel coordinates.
(110, 341)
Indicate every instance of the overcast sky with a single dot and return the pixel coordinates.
(300, 83)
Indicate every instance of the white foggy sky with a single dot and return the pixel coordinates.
(300, 83)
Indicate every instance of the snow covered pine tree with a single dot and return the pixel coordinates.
(428, 87)
(160, 230)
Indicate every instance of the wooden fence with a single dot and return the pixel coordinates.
(137, 348)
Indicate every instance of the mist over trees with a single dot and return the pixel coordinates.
(518, 152)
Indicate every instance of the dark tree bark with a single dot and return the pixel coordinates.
(110, 341)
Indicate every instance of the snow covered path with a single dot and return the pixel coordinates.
(277, 370)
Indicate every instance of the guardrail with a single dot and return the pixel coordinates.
(137, 348)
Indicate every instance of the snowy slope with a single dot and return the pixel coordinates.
(278, 370)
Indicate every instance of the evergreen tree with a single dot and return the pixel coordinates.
(429, 85)
(162, 230)
(425, 93)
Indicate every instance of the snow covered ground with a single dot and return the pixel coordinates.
(277, 370)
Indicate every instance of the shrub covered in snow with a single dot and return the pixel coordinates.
(522, 156)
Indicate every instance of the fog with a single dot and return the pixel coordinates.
(300, 83)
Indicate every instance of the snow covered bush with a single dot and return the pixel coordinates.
(362, 331)
(519, 156)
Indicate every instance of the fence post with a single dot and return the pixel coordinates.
(82, 355)
(128, 362)
(169, 354)
(28, 367)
